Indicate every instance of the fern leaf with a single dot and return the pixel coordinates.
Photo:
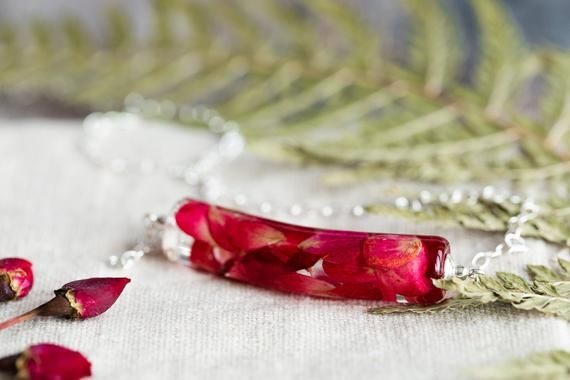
(296, 75)
(552, 365)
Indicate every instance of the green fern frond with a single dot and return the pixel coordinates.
(486, 214)
(552, 365)
(312, 82)
(548, 292)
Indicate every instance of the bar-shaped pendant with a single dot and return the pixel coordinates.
(311, 261)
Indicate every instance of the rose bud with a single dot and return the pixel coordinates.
(47, 362)
(16, 278)
(77, 300)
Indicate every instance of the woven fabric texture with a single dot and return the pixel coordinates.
(68, 216)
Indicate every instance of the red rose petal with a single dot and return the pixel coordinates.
(300, 260)
(21, 276)
(390, 251)
(345, 263)
(192, 218)
(202, 257)
(222, 256)
(94, 296)
(275, 276)
(52, 362)
(219, 223)
(332, 243)
(288, 250)
(350, 273)
(14, 263)
(363, 291)
(302, 284)
(250, 235)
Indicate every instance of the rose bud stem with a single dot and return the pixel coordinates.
(16, 278)
(77, 300)
(47, 361)
(21, 318)
(8, 364)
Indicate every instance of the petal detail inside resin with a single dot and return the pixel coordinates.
(312, 261)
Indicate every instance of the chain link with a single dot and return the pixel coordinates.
(513, 242)
(230, 144)
(150, 242)
(98, 127)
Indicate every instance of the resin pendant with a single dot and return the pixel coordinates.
(311, 261)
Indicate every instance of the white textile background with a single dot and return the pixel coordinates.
(68, 216)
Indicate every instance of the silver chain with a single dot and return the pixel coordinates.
(150, 242)
(513, 242)
(230, 144)
(98, 127)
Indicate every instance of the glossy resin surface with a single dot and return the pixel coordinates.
(312, 261)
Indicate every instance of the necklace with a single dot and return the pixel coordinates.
(276, 255)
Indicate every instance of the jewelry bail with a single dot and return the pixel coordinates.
(151, 241)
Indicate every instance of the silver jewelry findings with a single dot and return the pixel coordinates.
(230, 144)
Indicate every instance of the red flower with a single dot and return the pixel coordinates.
(255, 269)
(16, 278)
(78, 300)
(91, 297)
(47, 362)
(194, 217)
(313, 261)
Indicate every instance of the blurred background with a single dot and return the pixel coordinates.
(541, 24)
(455, 96)
(412, 116)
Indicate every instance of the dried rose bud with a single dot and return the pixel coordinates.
(47, 362)
(77, 300)
(91, 297)
(16, 278)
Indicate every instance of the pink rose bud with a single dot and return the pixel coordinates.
(91, 297)
(16, 278)
(47, 362)
(77, 300)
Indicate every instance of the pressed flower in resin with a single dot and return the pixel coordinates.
(311, 261)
